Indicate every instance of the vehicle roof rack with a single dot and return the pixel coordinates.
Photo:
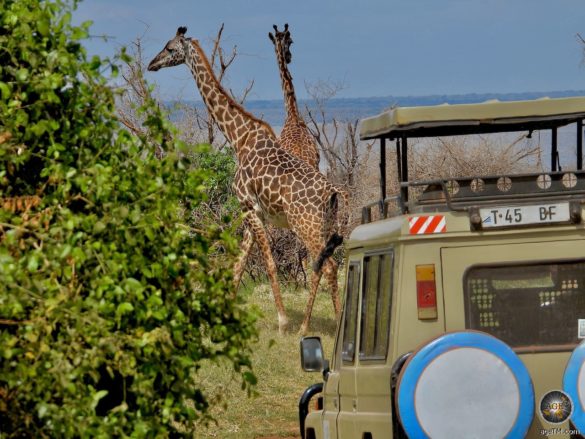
(400, 123)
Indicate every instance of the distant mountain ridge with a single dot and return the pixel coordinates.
(272, 111)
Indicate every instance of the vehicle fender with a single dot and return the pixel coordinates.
(304, 402)
(314, 420)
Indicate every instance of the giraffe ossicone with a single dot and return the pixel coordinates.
(271, 185)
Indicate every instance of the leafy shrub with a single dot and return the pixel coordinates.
(109, 302)
(221, 202)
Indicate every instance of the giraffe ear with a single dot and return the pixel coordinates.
(271, 36)
(181, 31)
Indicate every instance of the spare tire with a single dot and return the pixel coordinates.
(465, 384)
(574, 385)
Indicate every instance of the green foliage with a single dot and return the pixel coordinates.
(221, 203)
(109, 301)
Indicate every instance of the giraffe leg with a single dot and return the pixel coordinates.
(315, 278)
(260, 236)
(314, 250)
(330, 272)
(245, 247)
(329, 268)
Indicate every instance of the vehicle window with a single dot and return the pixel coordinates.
(350, 313)
(376, 304)
(527, 305)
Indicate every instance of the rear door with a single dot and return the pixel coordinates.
(529, 295)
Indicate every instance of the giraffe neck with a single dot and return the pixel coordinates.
(290, 100)
(238, 126)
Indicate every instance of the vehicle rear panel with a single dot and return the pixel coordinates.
(524, 323)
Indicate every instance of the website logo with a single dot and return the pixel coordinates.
(556, 407)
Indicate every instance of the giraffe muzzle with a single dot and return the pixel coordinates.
(153, 66)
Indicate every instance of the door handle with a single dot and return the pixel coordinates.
(354, 404)
(335, 404)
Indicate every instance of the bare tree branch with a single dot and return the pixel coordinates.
(195, 124)
(345, 157)
(582, 41)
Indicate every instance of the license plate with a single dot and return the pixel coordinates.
(524, 215)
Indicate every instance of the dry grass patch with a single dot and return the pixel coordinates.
(273, 411)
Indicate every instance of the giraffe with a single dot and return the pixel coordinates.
(295, 136)
(271, 185)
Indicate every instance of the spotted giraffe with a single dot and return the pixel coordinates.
(271, 185)
(295, 136)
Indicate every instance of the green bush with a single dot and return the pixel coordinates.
(221, 202)
(109, 301)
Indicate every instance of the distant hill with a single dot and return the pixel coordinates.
(272, 111)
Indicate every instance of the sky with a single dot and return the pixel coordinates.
(372, 48)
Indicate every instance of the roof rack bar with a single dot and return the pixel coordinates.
(367, 209)
(455, 191)
(398, 160)
(382, 173)
(554, 153)
(444, 189)
(404, 164)
(579, 144)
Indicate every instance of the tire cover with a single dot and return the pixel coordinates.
(465, 384)
(574, 385)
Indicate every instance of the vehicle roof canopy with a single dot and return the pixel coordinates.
(486, 117)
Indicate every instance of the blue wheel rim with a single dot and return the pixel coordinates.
(571, 385)
(466, 339)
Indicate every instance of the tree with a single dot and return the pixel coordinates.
(491, 154)
(344, 156)
(109, 300)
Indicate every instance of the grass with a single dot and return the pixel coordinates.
(273, 412)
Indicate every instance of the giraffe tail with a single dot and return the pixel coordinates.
(334, 241)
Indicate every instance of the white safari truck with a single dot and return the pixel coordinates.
(464, 312)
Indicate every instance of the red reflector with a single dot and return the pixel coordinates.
(427, 296)
(426, 292)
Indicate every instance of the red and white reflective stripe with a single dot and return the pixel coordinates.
(422, 225)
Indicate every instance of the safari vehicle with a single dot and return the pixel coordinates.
(464, 312)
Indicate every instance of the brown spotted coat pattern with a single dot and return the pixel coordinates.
(295, 136)
(272, 185)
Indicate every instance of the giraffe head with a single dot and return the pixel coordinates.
(282, 42)
(173, 54)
